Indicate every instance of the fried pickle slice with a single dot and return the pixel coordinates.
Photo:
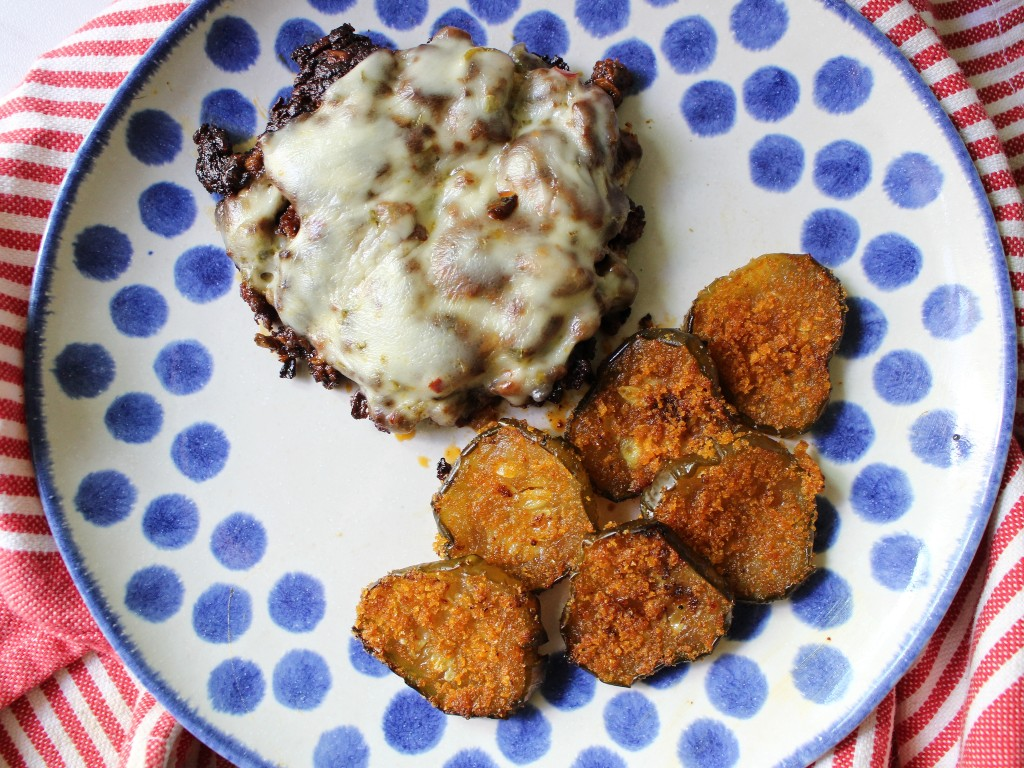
(462, 632)
(656, 398)
(640, 602)
(750, 511)
(520, 499)
(771, 327)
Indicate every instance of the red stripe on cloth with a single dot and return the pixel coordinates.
(83, 743)
(1003, 649)
(940, 743)
(995, 737)
(951, 10)
(15, 523)
(154, 13)
(14, 305)
(33, 728)
(12, 374)
(992, 61)
(950, 85)
(18, 241)
(1008, 530)
(970, 115)
(9, 751)
(906, 29)
(881, 748)
(845, 751)
(58, 141)
(993, 182)
(876, 9)
(157, 742)
(20, 169)
(11, 337)
(17, 485)
(964, 38)
(67, 79)
(1015, 145)
(1011, 212)
(122, 681)
(15, 448)
(97, 702)
(83, 110)
(996, 91)
(929, 57)
(21, 205)
(12, 410)
(1014, 246)
(1009, 117)
(101, 48)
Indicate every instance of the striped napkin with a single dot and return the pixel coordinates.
(66, 699)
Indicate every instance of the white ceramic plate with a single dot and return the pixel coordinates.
(221, 522)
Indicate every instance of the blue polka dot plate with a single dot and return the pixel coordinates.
(221, 522)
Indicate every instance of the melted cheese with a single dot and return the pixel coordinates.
(398, 276)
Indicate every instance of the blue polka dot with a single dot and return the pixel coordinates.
(543, 33)
(301, 680)
(566, 685)
(902, 377)
(236, 686)
(344, 746)
(167, 209)
(105, 497)
(379, 39)
(203, 273)
(332, 6)
(524, 737)
(821, 673)
(363, 662)
(170, 521)
(297, 602)
(183, 367)
(758, 24)
(824, 600)
(294, 33)
(401, 14)
(749, 620)
(892, 261)
(776, 163)
(639, 60)
(138, 311)
(842, 169)
(912, 180)
(232, 44)
(84, 370)
(598, 757)
(896, 560)
(842, 85)
(830, 236)
(844, 432)
(154, 593)
(661, 3)
(222, 614)
(631, 720)
(456, 17)
(200, 451)
(602, 17)
(866, 327)
(411, 724)
(667, 677)
(689, 44)
(951, 311)
(935, 440)
(494, 11)
(770, 94)
(470, 758)
(153, 137)
(231, 111)
(709, 107)
(708, 743)
(736, 686)
(826, 530)
(239, 541)
(881, 493)
(102, 252)
(134, 418)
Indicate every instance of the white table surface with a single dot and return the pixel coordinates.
(32, 27)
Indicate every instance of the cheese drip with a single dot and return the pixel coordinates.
(403, 273)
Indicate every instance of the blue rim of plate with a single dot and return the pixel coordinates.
(229, 746)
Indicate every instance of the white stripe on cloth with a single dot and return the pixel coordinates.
(27, 542)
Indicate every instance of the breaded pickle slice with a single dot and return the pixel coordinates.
(772, 327)
(461, 632)
(641, 601)
(656, 398)
(521, 500)
(750, 511)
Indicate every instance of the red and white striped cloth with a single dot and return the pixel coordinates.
(65, 698)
